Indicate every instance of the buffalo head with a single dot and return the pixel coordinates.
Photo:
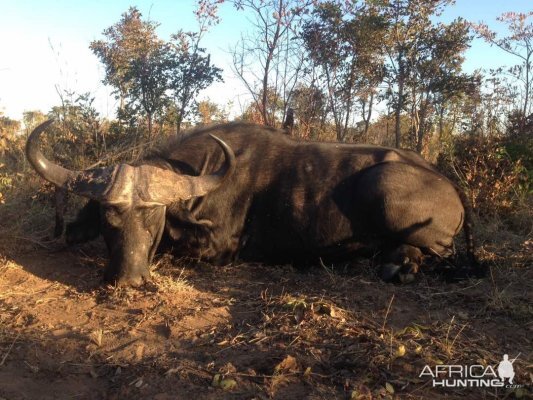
(132, 200)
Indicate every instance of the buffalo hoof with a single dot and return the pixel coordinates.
(399, 273)
(388, 272)
(408, 272)
(406, 278)
(404, 254)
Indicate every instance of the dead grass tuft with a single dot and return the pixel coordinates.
(168, 276)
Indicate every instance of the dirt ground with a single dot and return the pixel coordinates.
(254, 331)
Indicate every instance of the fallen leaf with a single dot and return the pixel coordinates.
(389, 388)
(400, 351)
(361, 393)
(289, 364)
(216, 380)
(321, 308)
(96, 337)
(224, 384)
(171, 371)
(228, 384)
(139, 351)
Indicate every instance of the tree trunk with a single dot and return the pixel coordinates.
(344, 130)
(181, 112)
(524, 115)
(270, 55)
(178, 125)
(264, 100)
(366, 117)
(370, 106)
(150, 117)
(331, 99)
(421, 130)
(399, 105)
(348, 104)
(527, 86)
(424, 104)
(441, 122)
(454, 121)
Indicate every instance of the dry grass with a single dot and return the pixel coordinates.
(163, 275)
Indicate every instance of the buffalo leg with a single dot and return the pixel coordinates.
(401, 264)
(60, 200)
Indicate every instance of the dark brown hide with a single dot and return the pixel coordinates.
(293, 201)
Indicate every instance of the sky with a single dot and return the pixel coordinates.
(44, 46)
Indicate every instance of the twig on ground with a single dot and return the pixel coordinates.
(9, 350)
(283, 374)
(328, 270)
(37, 242)
(387, 313)
(454, 291)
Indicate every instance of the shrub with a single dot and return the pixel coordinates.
(493, 171)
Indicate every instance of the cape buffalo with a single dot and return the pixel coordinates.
(253, 192)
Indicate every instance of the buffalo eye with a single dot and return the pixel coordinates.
(113, 216)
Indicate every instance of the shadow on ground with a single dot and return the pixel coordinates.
(249, 331)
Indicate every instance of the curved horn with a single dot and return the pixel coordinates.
(91, 183)
(207, 183)
(165, 186)
(125, 183)
(56, 174)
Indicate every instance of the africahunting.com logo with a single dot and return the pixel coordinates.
(454, 376)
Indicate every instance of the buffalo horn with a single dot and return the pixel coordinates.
(163, 186)
(144, 183)
(91, 183)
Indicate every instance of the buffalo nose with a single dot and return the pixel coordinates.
(134, 281)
